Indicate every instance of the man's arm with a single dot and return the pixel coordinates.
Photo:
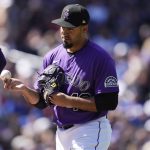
(64, 100)
(30, 95)
(101, 102)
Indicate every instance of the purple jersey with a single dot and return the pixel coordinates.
(2, 60)
(89, 71)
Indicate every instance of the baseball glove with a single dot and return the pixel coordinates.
(50, 81)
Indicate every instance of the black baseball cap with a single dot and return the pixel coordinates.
(73, 15)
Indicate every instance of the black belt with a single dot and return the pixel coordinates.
(65, 127)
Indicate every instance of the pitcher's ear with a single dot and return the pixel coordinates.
(85, 28)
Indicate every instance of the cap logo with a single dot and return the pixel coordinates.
(83, 21)
(66, 14)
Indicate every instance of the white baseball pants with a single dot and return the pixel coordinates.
(94, 135)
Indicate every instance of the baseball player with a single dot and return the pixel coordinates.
(2, 60)
(90, 90)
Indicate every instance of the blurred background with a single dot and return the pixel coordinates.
(26, 34)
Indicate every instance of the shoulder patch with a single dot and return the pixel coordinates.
(111, 81)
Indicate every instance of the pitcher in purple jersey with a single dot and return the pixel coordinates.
(90, 90)
(2, 61)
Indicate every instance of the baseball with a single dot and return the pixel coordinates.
(5, 74)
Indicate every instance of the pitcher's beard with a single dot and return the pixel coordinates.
(67, 45)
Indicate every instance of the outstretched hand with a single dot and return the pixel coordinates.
(13, 84)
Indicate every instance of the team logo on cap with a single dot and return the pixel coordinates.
(66, 14)
(111, 81)
(83, 21)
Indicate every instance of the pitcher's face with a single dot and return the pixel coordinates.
(71, 36)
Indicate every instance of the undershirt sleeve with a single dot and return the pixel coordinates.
(106, 101)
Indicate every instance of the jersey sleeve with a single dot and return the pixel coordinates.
(106, 78)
